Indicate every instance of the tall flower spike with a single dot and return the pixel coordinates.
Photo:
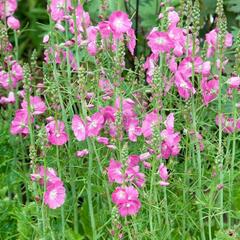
(196, 18)
(219, 8)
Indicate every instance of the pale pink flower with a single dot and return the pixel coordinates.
(82, 153)
(46, 39)
(9, 99)
(7, 8)
(54, 196)
(92, 40)
(37, 105)
(78, 128)
(13, 23)
(163, 173)
(95, 124)
(19, 124)
(45, 174)
(234, 82)
(59, 8)
(114, 171)
(173, 19)
(228, 125)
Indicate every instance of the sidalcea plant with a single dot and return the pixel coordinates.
(143, 148)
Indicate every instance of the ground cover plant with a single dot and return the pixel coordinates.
(122, 122)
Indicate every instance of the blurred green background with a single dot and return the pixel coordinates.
(34, 18)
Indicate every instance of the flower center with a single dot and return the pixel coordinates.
(53, 194)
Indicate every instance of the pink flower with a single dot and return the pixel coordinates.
(114, 171)
(133, 129)
(127, 201)
(19, 124)
(170, 144)
(103, 140)
(150, 120)
(228, 40)
(119, 23)
(49, 174)
(131, 40)
(56, 133)
(173, 19)
(159, 42)
(82, 153)
(234, 82)
(95, 124)
(9, 99)
(184, 86)
(163, 173)
(78, 128)
(37, 105)
(57, 9)
(7, 8)
(13, 23)
(54, 197)
(228, 125)
(82, 20)
(105, 29)
(210, 90)
(92, 40)
(46, 39)
(133, 175)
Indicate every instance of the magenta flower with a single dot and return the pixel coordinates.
(19, 124)
(159, 42)
(55, 194)
(105, 29)
(78, 128)
(37, 105)
(127, 201)
(133, 175)
(210, 90)
(114, 171)
(163, 173)
(131, 40)
(150, 120)
(184, 86)
(95, 124)
(56, 133)
(119, 23)
(133, 129)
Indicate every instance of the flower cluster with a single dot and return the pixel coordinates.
(54, 196)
